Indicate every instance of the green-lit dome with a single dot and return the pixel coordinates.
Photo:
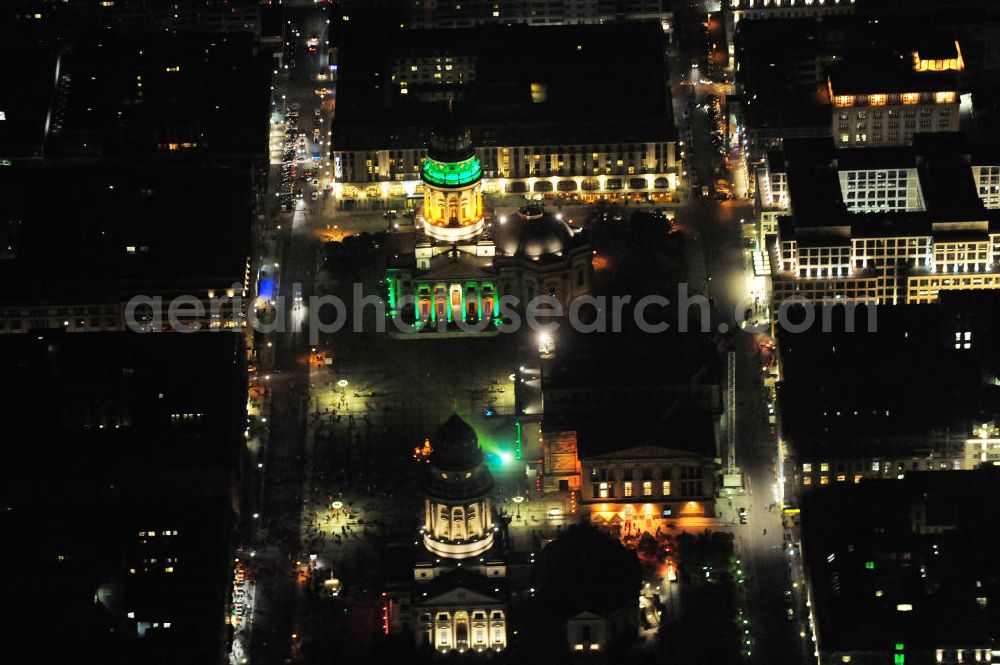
(451, 174)
(451, 159)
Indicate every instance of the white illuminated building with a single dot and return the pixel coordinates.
(887, 225)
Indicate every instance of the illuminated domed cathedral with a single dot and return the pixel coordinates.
(458, 598)
(461, 258)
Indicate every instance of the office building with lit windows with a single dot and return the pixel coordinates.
(558, 119)
(886, 105)
(900, 571)
(880, 225)
(866, 82)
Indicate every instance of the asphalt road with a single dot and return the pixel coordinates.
(715, 227)
(282, 355)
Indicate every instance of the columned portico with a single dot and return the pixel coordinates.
(476, 629)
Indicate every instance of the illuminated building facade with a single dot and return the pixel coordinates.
(462, 619)
(374, 178)
(458, 599)
(640, 488)
(879, 119)
(152, 260)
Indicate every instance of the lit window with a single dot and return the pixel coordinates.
(666, 488)
(647, 488)
(603, 490)
(807, 467)
(944, 97)
(807, 480)
(628, 488)
(824, 466)
(824, 480)
(841, 478)
(911, 97)
(878, 100)
(844, 100)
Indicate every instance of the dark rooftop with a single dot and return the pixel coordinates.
(909, 565)
(584, 570)
(153, 95)
(621, 390)
(188, 229)
(97, 402)
(865, 77)
(107, 437)
(843, 391)
(565, 88)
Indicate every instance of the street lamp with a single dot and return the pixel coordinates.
(546, 345)
(518, 500)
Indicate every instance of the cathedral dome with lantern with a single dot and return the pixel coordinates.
(533, 233)
(452, 178)
(458, 520)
